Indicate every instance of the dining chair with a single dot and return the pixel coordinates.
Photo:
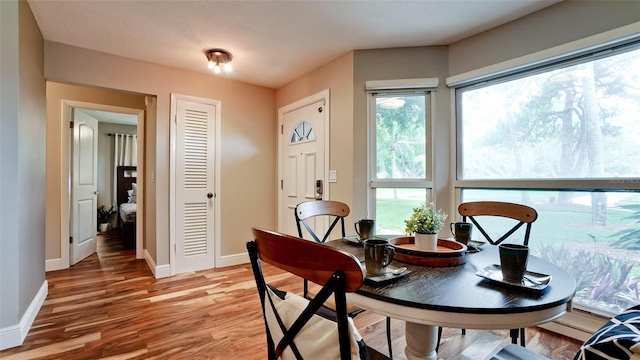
(336, 211)
(520, 214)
(298, 328)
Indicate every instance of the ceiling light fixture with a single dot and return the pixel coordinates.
(217, 57)
(391, 103)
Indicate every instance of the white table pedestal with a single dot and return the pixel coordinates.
(421, 341)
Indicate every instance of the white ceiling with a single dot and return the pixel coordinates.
(272, 42)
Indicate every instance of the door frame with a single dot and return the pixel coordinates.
(322, 95)
(173, 133)
(65, 200)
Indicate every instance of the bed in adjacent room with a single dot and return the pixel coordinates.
(127, 205)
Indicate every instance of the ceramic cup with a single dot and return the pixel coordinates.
(377, 255)
(365, 228)
(461, 231)
(513, 261)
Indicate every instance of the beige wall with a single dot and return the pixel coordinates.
(337, 76)
(556, 25)
(57, 193)
(248, 156)
(345, 78)
(22, 173)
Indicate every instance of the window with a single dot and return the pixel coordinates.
(303, 132)
(563, 139)
(400, 156)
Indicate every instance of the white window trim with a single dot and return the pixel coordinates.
(426, 85)
(398, 84)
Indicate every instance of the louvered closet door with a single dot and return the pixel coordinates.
(195, 186)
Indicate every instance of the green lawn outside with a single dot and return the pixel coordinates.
(567, 227)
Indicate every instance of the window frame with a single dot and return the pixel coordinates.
(567, 184)
(374, 183)
(578, 322)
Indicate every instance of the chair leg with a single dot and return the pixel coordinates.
(514, 335)
(439, 337)
(389, 337)
(522, 343)
(464, 331)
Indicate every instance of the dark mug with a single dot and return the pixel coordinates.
(513, 261)
(377, 255)
(365, 229)
(461, 231)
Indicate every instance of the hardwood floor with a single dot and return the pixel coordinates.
(109, 306)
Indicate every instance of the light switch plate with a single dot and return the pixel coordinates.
(333, 176)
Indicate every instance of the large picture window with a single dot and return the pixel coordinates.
(400, 157)
(564, 139)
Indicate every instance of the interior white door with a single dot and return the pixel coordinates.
(195, 197)
(84, 187)
(302, 162)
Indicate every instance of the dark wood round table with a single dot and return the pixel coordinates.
(454, 296)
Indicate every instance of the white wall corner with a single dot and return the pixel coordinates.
(53, 265)
(14, 335)
(158, 271)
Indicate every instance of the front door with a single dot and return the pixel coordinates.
(302, 162)
(84, 187)
(195, 188)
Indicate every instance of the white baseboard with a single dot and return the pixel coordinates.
(230, 260)
(53, 265)
(158, 271)
(566, 331)
(14, 335)
(163, 271)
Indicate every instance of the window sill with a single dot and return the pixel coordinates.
(579, 325)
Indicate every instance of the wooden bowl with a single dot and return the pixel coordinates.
(449, 252)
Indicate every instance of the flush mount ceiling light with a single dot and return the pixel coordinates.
(217, 58)
(391, 103)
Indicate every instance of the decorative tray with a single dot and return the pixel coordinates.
(449, 252)
(392, 273)
(531, 281)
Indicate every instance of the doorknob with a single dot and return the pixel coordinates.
(209, 195)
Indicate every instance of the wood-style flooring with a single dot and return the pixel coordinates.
(109, 306)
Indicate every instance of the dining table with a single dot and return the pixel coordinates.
(428, 297)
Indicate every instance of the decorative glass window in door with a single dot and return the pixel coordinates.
(303, 133)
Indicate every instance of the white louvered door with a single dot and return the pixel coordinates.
(195, 197)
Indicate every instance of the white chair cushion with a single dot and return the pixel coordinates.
(318, 339)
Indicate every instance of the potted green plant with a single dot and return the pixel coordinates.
(425, 223)
(104, 216)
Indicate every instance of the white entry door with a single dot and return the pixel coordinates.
(84, 187)
(302, 162)
(195, 188)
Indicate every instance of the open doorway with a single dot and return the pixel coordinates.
(83, 231)
(62, 100)
(112, 212)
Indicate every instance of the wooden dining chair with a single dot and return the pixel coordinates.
(336, 211)
(297, 328)
(521, 214)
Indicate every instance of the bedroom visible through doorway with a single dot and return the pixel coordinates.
(116, 145)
